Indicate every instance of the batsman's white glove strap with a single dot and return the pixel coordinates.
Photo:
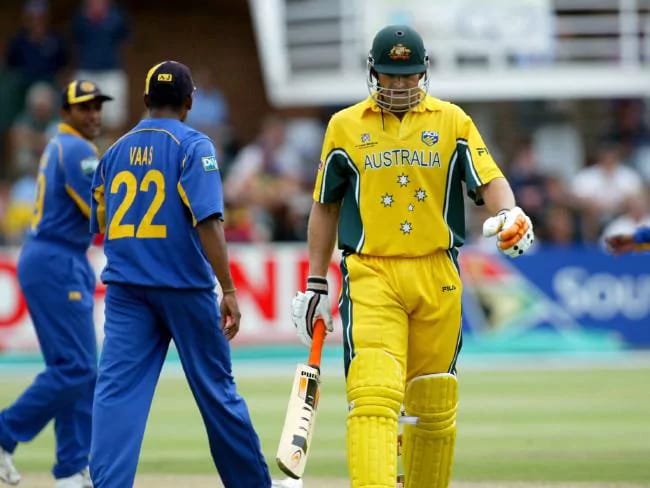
(307, 307)
(513, 229)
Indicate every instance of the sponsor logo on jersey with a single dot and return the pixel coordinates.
(365, 137)
(482, 150)
(89, 165)
(209, 163)
(430, 137)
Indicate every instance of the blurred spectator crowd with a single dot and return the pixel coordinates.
(576, 194)
(573, 193)
(38, 62)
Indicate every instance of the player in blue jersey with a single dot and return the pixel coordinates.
(639, 240)
(157, 195)
(58, 284)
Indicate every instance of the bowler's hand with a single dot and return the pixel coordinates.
(513, 229)
(230, 315)
(307, 307)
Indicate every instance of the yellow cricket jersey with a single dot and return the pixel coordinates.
(400, 182)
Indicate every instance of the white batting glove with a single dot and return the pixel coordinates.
(513, 229)
(307, 307)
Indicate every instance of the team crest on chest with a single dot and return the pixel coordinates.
(365, 140)
(430, 137)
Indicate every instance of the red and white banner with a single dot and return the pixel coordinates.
(266, 277)
(551, 299)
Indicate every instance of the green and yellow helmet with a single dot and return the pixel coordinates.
(397, 50)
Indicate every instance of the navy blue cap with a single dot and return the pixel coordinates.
(80, 91)
(168, 83)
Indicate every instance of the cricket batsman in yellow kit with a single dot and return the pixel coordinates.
(390, 185)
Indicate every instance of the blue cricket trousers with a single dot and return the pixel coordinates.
(58, 284)
(140, 322)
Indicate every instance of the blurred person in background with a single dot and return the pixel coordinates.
(600, 190)
(639, 240)
(32, 129)
(5, 189)
(635, 214)
(527, 180)
(265, 179)
(559, 226)
(630, 130)
(28, 136)
(557, 143)
(560, 220)
(100, 30)
(36, 52)
(210, 114)
(305, 135)
(629, 126)
(36, 55)
(19, 210)
(58, 283)
(390, 188)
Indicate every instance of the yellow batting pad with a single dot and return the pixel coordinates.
(375, 390)
(428, 445)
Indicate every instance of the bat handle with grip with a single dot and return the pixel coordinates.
(317, 344)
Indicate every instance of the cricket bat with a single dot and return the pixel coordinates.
(298, 429)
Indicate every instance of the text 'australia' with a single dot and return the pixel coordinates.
(402, 157)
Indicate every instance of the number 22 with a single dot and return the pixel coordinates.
(146, 229)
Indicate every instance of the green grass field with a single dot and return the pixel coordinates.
(587, 425)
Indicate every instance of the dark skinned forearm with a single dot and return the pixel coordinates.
(214, 245)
